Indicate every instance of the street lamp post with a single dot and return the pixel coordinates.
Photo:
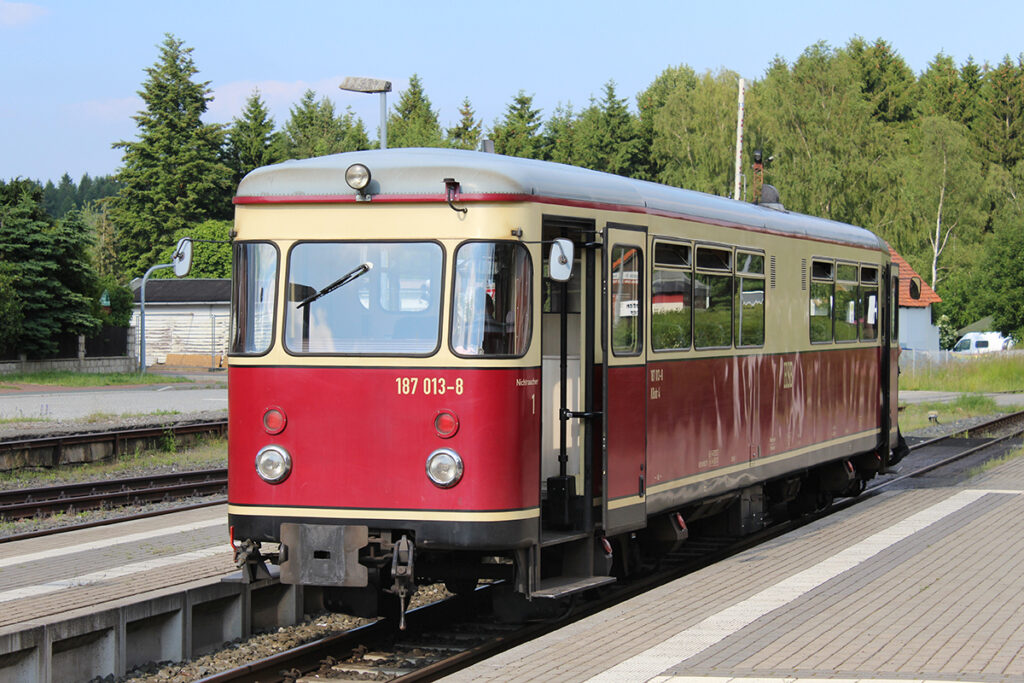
(372, 85)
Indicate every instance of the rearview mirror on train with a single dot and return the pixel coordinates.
(560, 261)
(182, 258)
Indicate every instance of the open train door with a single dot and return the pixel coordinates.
(624, 385)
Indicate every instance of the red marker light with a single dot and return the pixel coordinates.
(446, 424)
(274, 421)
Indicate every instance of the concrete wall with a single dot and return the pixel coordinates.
(94, 365)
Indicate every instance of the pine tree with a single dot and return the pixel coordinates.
(11, 314)
(608, 136)
(313, 130)
(250, 138)
(942, 92)
(413, 123)
(517, 134)
(559, 136)
(171, 176)
(47, 266)
(887, 83)
(465, 135)
(999, 127)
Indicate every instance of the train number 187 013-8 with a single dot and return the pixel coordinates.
(427, 386)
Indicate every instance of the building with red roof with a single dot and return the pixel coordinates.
(916, 329)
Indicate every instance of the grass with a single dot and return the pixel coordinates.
(21, 420)
(915, 415)
(996, 462)
(85, 379)
(981, 373)
(206, 454)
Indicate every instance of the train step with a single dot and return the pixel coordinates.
(561, 586)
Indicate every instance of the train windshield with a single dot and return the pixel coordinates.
(491, 314)
(376, 298)
(255, 290)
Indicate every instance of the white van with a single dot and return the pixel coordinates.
(981, 342)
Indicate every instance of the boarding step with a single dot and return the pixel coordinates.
(562, 586)
(550, 537)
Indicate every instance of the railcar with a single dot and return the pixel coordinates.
(451, 366)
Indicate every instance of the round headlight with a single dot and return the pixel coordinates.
(444, 467)
(273, 464)
(357, 176)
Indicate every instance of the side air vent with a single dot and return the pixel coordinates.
(771, 266)
(803, 274)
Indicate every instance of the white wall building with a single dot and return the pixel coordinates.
(187, 321)
(916, 329)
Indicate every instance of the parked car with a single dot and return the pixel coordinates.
(982, 342)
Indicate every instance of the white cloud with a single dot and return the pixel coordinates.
(20, 13)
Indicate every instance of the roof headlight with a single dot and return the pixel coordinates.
(358, 177)
(444, 468)
(273, 464)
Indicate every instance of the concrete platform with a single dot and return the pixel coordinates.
(915, 585)
(95, 602)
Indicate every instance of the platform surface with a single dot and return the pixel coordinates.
(912, 585)
(43, 578)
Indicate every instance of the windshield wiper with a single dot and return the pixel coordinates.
(341, 281)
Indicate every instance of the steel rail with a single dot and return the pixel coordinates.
(25, 503)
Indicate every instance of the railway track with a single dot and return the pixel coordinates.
(68, 498)
(446, 636)
(119, 440)
(19, 504)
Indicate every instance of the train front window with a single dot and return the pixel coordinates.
(491, 310)
(254, 296)
(364, 298)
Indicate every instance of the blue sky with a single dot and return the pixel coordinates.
(71, 69)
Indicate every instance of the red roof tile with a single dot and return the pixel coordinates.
(928, 295)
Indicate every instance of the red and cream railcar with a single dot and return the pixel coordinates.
(448, 365)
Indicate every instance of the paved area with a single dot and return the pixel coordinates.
(1002, 399)
(915, 585)
(205, 393)
(51, 575)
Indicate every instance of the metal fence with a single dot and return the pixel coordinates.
(912, 360)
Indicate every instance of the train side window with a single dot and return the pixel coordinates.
(846, 303)
(822, 289)
(255, 296)
(749, 304)
(626, 289)
(712, 298)
(868, 303)
(492, 311)
(671, 297)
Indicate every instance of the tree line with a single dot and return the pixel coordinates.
(933, 163)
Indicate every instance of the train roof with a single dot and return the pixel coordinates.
(418, 174)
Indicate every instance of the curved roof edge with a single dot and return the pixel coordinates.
(412, 173)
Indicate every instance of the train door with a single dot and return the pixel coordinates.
(569, 415)
(890, 359)
(624, 378)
